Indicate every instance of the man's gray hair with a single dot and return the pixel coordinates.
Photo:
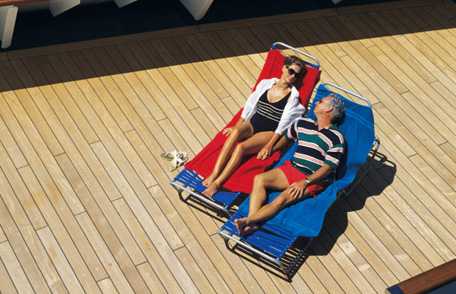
(338, 108)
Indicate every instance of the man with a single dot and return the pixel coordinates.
(320, 149)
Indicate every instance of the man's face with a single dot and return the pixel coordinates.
(324, 105)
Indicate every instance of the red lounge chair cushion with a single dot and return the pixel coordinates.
(242, 178)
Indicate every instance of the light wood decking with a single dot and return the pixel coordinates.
(85, 203)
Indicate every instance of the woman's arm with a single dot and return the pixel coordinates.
(267, 150)
(239, 122)
(282, 143)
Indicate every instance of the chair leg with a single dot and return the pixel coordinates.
(293, 266)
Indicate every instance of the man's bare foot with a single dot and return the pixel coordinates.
(209, 180)
(244, 227)
(211, 189)
(240, 223)
(249, 230)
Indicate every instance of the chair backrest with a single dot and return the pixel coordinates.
(357, 127)
(273, 69)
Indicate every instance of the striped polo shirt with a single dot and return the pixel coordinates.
(315, 147)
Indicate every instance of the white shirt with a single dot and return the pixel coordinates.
(293, 109)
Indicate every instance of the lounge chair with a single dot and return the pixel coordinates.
(275, 241)
(188, 182)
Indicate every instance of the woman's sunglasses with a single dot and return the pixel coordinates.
(292, 72)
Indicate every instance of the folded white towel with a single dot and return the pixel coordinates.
(177, 158)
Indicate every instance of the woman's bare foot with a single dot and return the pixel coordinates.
(209, 180)
(211, 189)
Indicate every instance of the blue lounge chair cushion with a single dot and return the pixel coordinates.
(306, 217)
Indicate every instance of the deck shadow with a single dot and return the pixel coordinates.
(380, 177)
(236, 38)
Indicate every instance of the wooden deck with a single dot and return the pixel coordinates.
(85, 203)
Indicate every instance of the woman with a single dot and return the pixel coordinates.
(268, 112)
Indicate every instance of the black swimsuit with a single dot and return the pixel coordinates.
(268, 115)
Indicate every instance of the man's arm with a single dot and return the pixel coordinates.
(319, 174)
(297, 189)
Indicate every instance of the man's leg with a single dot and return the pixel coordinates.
(273, 179)
(270, 209)
(249, 146)
(249, 224)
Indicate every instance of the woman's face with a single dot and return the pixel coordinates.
(291, 72)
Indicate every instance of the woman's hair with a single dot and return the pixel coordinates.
(292, 59)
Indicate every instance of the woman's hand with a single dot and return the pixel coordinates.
(227, 131)
(296, 190)
(264, 153)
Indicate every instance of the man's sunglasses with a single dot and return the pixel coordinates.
(292, 72)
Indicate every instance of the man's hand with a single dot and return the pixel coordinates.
(296, 190)
(227, 131)
(264, 153)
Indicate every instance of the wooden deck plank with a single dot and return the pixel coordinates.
(7, 284)
(113, 269)
(61, 235)
(21, 261)
(106, 220)
(14, 102)
(64, 268)
(42, 174)
(37, 116)
(11, 147)
(165, 96)
(159, 243)
(443, 38)
(43, 261)
(85, 201)
(216, 71)
(108, 209)
(14, 268)
(416, 210)
(194, 271)
(151, 278)
(226, 70)
(19, 201)
(107, 286)
(415, 84)
(138, 107)
(197, 76)
(423, 139)
(2, 235)
(188, 83)
(253, 284)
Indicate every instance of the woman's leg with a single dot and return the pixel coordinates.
(249, 146)
(237, 134)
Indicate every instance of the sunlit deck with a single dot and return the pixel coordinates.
(85, 202)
